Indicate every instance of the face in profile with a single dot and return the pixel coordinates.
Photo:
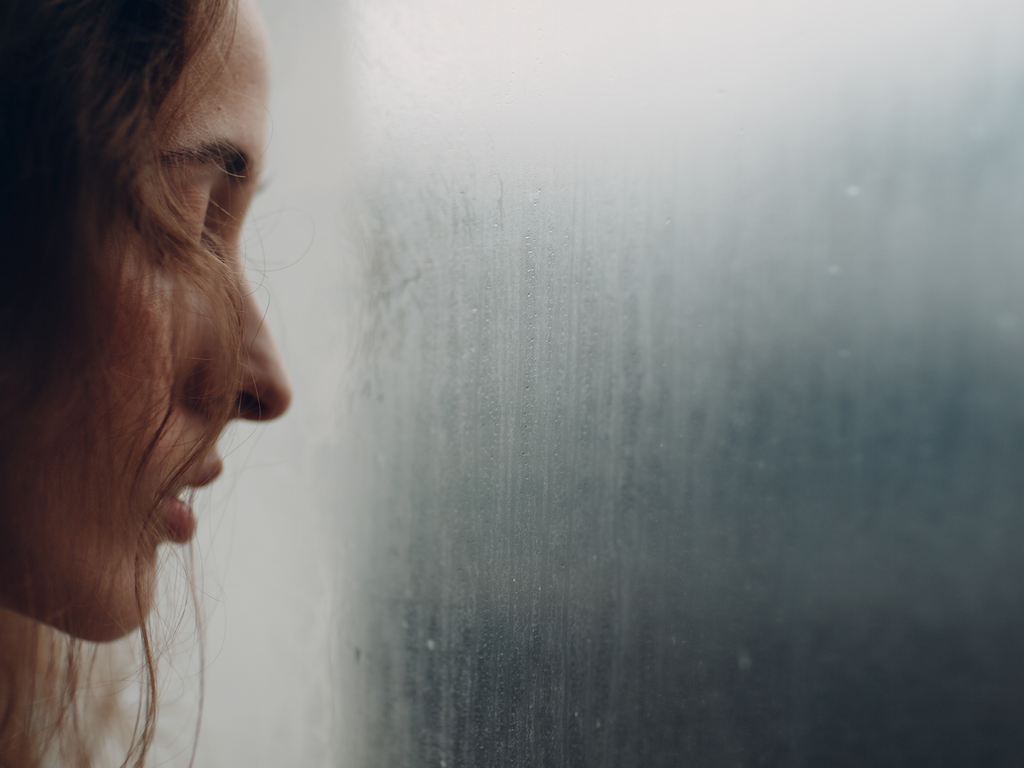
(90, 537)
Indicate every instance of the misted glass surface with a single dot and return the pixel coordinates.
(684, 409)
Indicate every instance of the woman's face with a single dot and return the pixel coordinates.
(83, 569)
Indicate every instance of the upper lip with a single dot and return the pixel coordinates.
(206, 474)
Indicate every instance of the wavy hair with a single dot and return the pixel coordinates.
(87, 94)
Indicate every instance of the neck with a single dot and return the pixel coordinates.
(58, 695)
(20, 684)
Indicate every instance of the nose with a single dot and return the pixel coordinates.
(264, 391)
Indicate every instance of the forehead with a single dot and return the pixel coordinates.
(223, 94)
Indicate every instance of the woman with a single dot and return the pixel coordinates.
(133, 134)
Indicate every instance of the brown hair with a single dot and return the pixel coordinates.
(87, 90)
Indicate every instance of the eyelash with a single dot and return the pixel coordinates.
(229, 162)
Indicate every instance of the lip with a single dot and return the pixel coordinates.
(178, 519)
(177, 515)
(209, 472)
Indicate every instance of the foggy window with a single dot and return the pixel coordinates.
(659, 375)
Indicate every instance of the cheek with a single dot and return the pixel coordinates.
(174, 381)
(142, 357)
(195, 201)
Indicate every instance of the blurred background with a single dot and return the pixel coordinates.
(658, 376)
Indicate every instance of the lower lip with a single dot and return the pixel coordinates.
(179, 520)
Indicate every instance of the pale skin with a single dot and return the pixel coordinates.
(219, 138)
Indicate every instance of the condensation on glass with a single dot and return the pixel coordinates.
(685, 417)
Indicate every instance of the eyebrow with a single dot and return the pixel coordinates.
(231, 158)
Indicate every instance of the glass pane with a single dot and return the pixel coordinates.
(681, 396)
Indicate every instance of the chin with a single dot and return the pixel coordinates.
(114, 607)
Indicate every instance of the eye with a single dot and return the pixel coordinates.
(236, 166)
(217, 187)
